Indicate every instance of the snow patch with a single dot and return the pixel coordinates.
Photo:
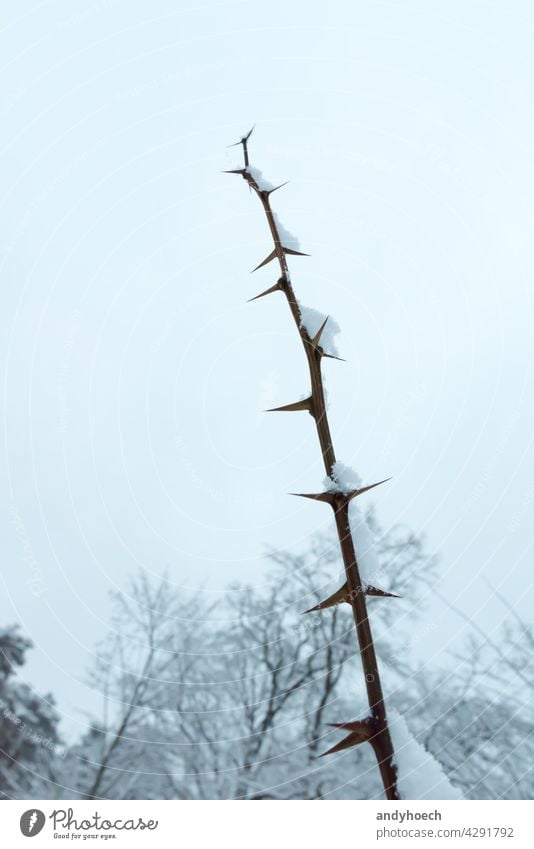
(262, 182)
(419, 775)
(343, 479)
(287, 239)
(311, 320)
(364, 546)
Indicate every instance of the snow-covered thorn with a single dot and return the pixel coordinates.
(275, 288)
(362, 489)
(304, 404)
(293, 252)
(267, 259)
(361, 732)
(327, 497)
(268, 192)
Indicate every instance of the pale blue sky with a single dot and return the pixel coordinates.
(133, 372)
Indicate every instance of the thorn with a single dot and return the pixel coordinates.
(338, 498)
(267, 259)
(332, 357)
(274, 288)
(356, 492)
(328, 497)
(361, 732)
(281, 186)
(304, 404)
(293, 252)
(375, 591)
(315, 341)
(241, 171)
(342, 595)
(338, 597)
(248, 135)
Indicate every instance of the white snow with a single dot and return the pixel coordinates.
(263, 184)
(343, 479)
(287, 239)
(312, 320)
(419, 774)
(368, 563)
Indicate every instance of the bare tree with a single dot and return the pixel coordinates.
(232, 702)
(233, 707)
(139, 671)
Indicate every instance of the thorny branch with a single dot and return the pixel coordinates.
(374, 729)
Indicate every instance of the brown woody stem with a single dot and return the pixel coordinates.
(381, 738)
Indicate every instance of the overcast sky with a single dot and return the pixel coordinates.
(133, 371)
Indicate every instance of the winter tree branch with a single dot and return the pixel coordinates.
(373, 728)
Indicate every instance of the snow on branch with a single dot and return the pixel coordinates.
(263, 184)
(364, 545)
(287, 239)
(419, 775)
(317, 332)
(343, 479)
(311, 320)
